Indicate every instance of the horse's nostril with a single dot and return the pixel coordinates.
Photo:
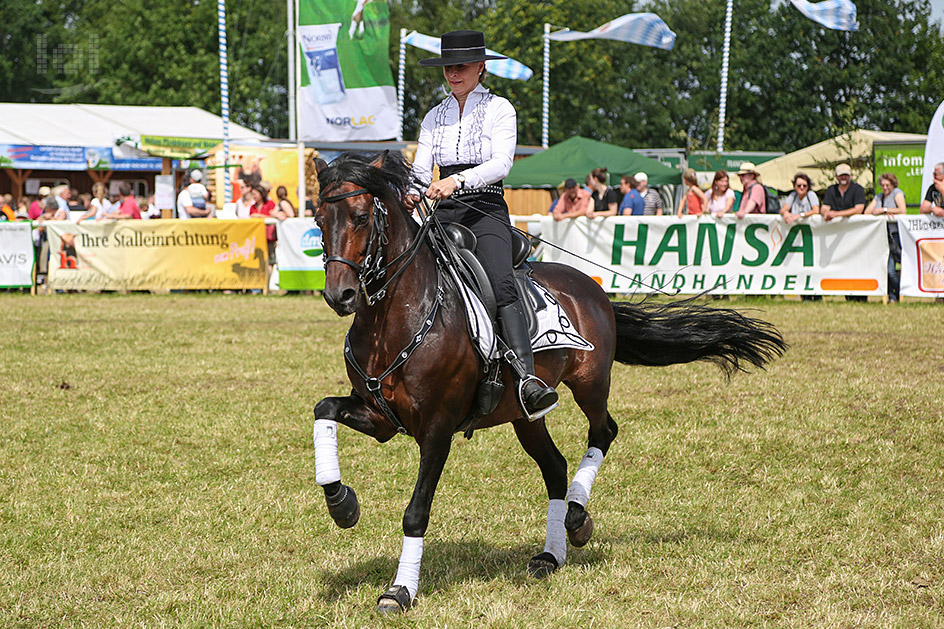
(348, 296)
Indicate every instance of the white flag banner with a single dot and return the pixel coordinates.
(505, 68)
(645, 29)
(757, 255)
(839, 15)
(933, 149)
(922, 255)
(16, 254)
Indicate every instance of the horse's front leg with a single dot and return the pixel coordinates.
(354, 413)
(434, 450)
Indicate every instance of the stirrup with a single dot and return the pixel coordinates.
(539, 413)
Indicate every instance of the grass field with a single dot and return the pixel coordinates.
(157, 469)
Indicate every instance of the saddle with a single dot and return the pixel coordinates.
(473, 273)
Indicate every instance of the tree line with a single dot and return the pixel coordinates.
(791, 83)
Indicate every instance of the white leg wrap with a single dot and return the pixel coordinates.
(408, 573)
(556, 540)
(579, 491)
(327, 468)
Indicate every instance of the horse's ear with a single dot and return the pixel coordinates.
(379, 160)
(320, 164)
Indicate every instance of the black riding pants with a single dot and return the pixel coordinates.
(492, 228)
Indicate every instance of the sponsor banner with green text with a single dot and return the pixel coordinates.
(758, 255)
(347, 91)
(16, 255)
(299, 255)
(906, 162)
(922, 255)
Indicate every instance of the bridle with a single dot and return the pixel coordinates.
(374, 269)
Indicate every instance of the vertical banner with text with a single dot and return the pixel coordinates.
(299, 254)
(347, 91)
(758, 255)
(922, 255)
(157, 254)
(16, 255)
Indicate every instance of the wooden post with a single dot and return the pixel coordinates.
(17, 177)
(99, 176)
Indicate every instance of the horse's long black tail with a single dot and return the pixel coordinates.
(655, 334)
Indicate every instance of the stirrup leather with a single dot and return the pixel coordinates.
(538, 414)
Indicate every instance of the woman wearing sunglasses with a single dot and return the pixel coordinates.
(802, 202)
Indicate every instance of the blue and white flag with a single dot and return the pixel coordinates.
(839, 15)
(645, 29)
(505, 68)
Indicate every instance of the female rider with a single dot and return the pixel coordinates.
(471, 135)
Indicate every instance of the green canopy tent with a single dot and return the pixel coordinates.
(577, 156)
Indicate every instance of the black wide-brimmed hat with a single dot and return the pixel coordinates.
(460, 47)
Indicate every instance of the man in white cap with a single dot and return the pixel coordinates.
(845, 198)
(652, 202)
(192, 200)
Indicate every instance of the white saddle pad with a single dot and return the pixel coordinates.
(555, 331)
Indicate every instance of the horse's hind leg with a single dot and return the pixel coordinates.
(592, 401)
(538, 444)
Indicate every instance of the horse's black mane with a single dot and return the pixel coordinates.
(388, 183)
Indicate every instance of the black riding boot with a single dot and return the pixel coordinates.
(538, 398)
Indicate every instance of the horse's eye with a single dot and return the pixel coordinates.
(360, 219)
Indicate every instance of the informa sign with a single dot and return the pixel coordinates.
(906, 162)
(299, 255)
(157, 254)
(16, 255)
(757, 255)
(347, 90)
(922, 255)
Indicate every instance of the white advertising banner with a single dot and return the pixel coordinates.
(299, 252)
(758, 255)
(933, 149)
(16, 255)
(347, 91)
(922, 255)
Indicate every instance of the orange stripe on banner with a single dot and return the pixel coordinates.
(839, 284)
(598, 280)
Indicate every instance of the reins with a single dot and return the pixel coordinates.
(367, 273)
(559, 248)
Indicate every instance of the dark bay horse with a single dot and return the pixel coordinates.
(414, 369)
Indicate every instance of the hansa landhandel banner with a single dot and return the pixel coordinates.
(347, 90)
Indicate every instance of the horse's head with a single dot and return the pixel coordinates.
(353, 221)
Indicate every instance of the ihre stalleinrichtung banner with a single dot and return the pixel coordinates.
(347, 91)
(757, 255)
(157, 254)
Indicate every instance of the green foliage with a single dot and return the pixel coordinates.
(792, 82)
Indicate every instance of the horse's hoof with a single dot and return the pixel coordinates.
(581, 536)
(343, 507)
(542, 565)
(395, 600)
